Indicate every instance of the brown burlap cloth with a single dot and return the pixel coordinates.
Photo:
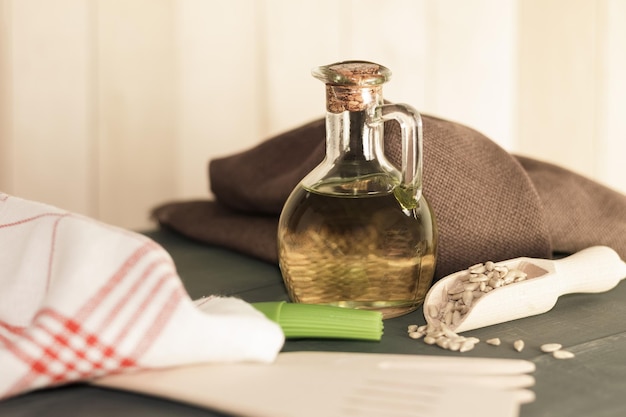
(489, 204)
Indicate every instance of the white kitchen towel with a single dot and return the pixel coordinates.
(81, 299)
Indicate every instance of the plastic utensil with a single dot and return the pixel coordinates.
(312, 384)
(592, 270)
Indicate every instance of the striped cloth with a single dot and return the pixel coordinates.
(81, 299)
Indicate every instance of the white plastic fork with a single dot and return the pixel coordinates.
(330, 384)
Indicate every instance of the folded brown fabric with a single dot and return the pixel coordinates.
(579, 212)
(489, 204)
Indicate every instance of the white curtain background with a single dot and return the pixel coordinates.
(110, 107)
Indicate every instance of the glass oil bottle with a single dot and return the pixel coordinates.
(357, 231)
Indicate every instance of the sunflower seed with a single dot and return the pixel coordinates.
(456, 296)
(495, 341)
(443, 342)
(457, 288)
(468, 297)
(550, 347)
(501, 269)
(429, 340)
(456, 318)
(496, 282)
(454, 346)
(509, 279)
(448, 333)
(475, 267)
(563, 354)
(450, 306)
(478, 270)
(478, 278)
(471, 286)
(466, 346)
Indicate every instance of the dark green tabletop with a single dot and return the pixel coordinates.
(593, 326)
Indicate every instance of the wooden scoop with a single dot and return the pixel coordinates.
(592, 270)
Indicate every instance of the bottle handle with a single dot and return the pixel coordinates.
(412, 137)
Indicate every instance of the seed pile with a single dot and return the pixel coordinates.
(445, 338)
(479, 280)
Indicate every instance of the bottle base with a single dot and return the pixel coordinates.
(389, 309)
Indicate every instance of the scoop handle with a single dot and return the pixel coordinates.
(591, 270)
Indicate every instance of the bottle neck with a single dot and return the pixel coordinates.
(349, 133)
(348, 136)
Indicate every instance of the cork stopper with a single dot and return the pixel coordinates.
(352, 85)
